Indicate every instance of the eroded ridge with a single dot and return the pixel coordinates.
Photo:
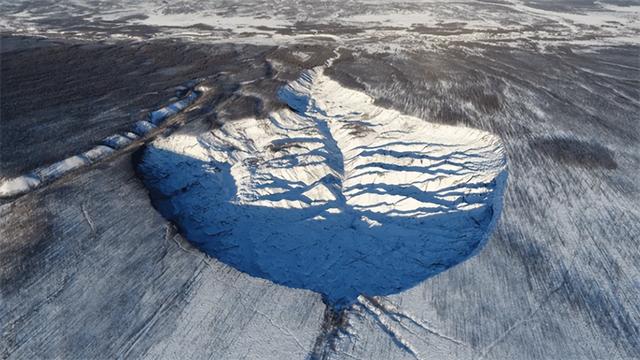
(333, 194)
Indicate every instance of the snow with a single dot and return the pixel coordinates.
(60, 168)
(22, 184)
(142, 127)
(336, 195)
(557, 277)
(117, 141)
(98, 153)
(597, 17)
(18, 185)
(160, 115)
(131, 273)
(223, 22)
(509, 22)
(131, 135)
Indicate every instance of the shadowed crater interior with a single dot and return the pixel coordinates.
(333, 193)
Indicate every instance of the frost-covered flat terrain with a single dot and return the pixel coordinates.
(319, 180)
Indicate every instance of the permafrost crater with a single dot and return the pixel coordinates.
(335, 194)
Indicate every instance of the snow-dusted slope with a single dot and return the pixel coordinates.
(334, 194)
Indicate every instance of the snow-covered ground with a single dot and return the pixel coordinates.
(411, 25)
(365, 202)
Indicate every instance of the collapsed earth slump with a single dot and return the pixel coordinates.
(555, 280)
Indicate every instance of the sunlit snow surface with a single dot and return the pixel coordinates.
(335, 194)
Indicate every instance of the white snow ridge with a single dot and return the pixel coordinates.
(335, 194)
